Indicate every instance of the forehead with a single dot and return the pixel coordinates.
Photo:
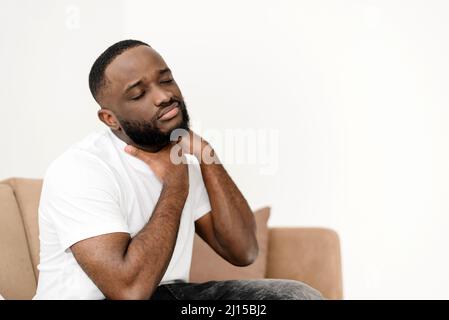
(133, 64)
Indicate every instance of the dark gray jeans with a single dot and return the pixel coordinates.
(265, 289)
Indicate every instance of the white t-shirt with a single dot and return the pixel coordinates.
(96, 188)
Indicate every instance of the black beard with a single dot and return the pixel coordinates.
(146, 135)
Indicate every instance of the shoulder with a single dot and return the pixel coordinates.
(81, 163)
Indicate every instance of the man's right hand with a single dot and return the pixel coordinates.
(169, 173)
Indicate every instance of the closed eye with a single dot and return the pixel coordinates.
(139, 96)
(167, 81)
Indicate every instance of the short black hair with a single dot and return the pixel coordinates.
(96, 75)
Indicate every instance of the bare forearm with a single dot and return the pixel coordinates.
(149, 252)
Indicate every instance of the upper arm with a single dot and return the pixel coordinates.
(204, 228)
(102, 259)
(203, 212)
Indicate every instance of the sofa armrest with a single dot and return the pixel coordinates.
(310, 255)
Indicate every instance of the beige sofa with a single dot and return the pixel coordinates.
(311, 255)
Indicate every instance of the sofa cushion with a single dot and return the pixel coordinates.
(28, 192)
(208, 265)
(17, 279)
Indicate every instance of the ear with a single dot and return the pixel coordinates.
(108, 118)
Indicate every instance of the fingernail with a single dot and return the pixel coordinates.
(129, 149)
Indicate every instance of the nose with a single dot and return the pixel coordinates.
(161, 96)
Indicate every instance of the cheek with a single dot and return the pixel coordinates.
(143, 111)
(177, 91)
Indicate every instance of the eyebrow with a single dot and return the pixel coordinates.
(133, 85)
(139, 82)
(162, 71)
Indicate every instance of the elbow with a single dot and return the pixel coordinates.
(129, 293)
(246, 261)
(248, 256)
(137, 290)
(252, 254)
(128, 281)
(135, 294)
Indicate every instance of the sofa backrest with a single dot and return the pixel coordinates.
(27, 193)
(17, 278)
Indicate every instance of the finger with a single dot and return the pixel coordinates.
(132, 151)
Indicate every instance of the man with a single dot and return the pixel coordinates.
(117, 214)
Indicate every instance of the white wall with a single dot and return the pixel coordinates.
(47, 48)
(356, 89)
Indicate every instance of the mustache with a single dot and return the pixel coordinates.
(169, 103)
(180, 104)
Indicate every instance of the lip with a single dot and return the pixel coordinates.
(168, 109)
